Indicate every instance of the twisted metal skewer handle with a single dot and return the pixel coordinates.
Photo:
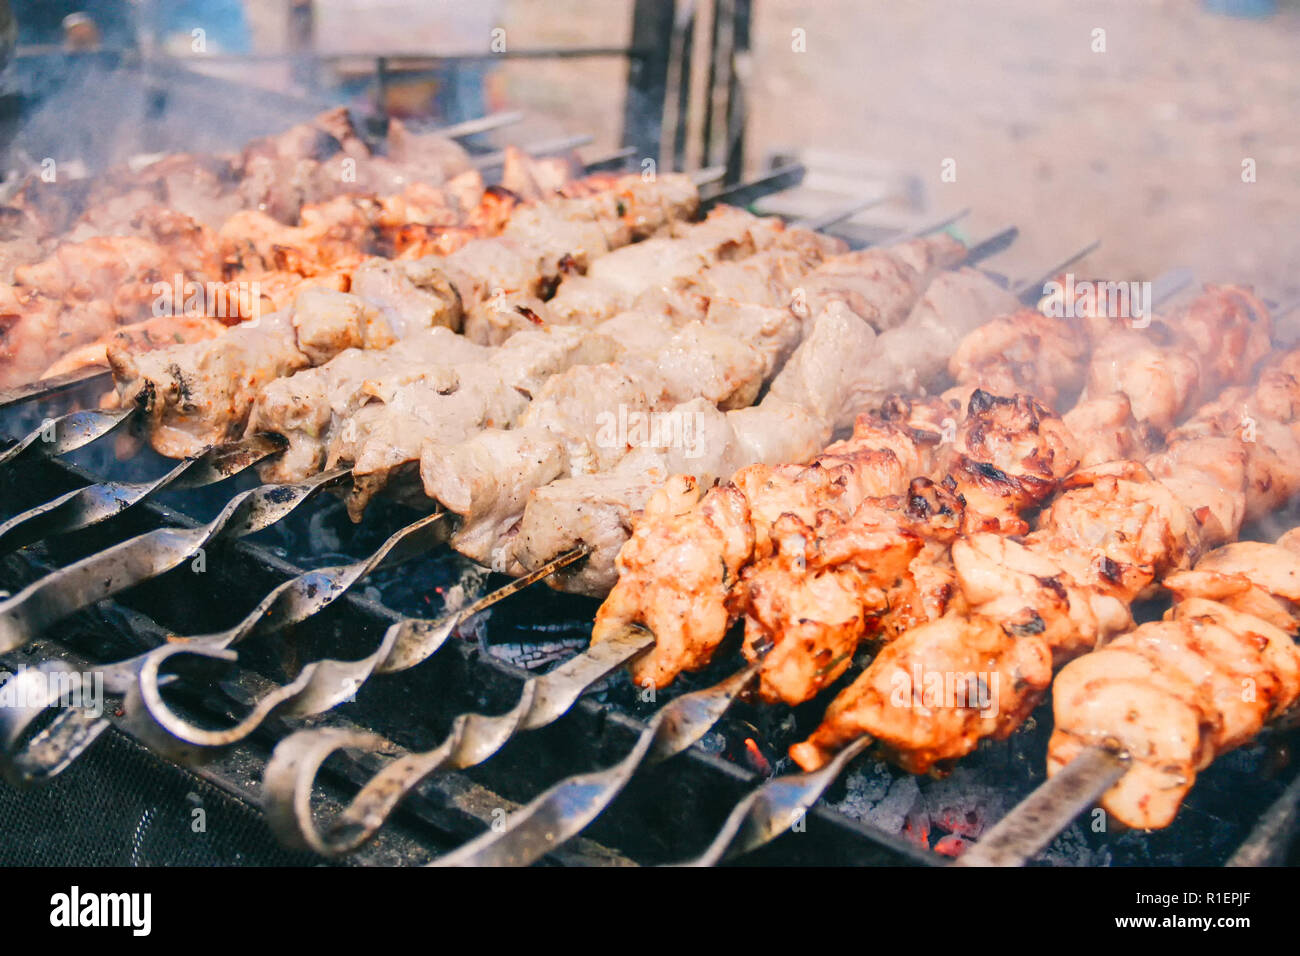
(292, 602)
(1034, 822)
(569, 807)
(83, 507)
(774, 807)
(28, 695)
(146, 556)
(291, 772)
(58, 436)
(322, 684)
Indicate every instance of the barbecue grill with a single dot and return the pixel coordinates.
(660, 778)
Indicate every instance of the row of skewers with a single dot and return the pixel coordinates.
(914, 532)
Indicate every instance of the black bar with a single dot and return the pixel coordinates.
(711, 86)
(787, 177)
(647, 79)
(737, 106)
(686, 51)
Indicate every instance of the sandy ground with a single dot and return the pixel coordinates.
(1141, 145)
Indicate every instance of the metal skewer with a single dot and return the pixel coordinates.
(1035, 821)
(83, 507)
(482, 124)
(818, 223)
(775, 807)
(72, 731)
(548, 147)
(58, 436)
(291, 773)
(563, 811)
(742, 194)
(146, 556)
(44, 387)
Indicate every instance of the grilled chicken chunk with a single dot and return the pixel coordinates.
(725, 357)
(1175, 694)
(199, 394)
(307, 408)
(451, 406)
(1067, 587)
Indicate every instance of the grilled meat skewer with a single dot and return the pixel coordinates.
(658, 563)
(789, 422)
(200, 394)
(1176, 694)
(406, 401)
(1067, 587)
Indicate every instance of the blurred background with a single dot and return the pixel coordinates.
(1139, 122)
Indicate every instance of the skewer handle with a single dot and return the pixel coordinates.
(569, 807)
(1035, 821)
(774, 807)
(58, 436)
(45, 387)
(291, 773)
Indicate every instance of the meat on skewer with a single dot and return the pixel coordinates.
(197, 395)
(843, 368)
(788, 423)
(1176, 694)
(926, 590)
(75, 279)
(407, 401)
(1067, 587)
(673, 559)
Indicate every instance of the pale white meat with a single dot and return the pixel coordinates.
(597, 510)
(307, 408)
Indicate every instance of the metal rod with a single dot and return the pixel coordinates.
(567, 808)
(613, 160)
(58, 436)
(1035, 821)
(545, 148)
(708, 174)
(1027, 290)
(482, 124)
(826, 220)
(83, 507)
(785, 177)
(934, 227)
(322, 684)
(291, 603)
(774, 807)
(146, 556)
(45, 387)
(292, 770)
(994, 244)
